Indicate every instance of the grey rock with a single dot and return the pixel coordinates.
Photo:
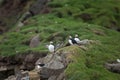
(35, 41)
(52, 61)
(38, 6)
(61, 76)
(54, 65)
(11, 78)
(52, 78)
(84, 42)
(113, 67)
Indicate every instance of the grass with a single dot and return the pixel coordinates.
(88, 65)
(101, 12)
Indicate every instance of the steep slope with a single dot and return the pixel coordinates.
(102, 12)
(11, 11)
(106, 14)
(56, 27)
(52, 28)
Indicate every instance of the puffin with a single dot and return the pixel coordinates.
(71, 40)
(77, 39)
(40, 65)
(118, 60)
(51, 47)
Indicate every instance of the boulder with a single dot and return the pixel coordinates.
(52, 61)
(54, 65)
(25, 60)
(11, 78)
(113, 67)
(35, 41)
(28, 62)
(10, 11)
(34, 75)
(38, 6)
(46, 73)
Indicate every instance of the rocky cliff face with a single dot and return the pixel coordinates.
(25, 61)
(11, 11)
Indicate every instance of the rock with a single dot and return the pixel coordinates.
(11, 78)
(84, 16)
(29, 60)
(52, 61)
(113, 67)
(84, 42)
(61, 76)
(14, 9)
(38, 6)
(20, 24)
(34, 75)
(98, 32)
(35, 41)
(25, 75)
(87, 42)
(84, 48)
(54, 65)
(25, 60)
(47, 73)
(52, 68)
(52, 78)
(25, 16)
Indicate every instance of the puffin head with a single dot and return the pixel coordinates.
(70, 37)
(51, 42)
(76, 35)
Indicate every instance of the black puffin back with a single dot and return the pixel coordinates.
(73, 41)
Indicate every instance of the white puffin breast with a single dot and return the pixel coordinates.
(77, 40)
(70, 41)
(51, 48)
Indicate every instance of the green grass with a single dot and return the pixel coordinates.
(101, 12)
(88, 64)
